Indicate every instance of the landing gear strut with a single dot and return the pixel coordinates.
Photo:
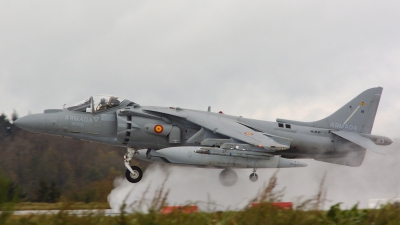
(228, 177)
(253, 176)
(133, 173)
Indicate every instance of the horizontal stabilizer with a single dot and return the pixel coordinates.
(359, 140)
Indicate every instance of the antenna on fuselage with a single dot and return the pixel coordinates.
(209, 109)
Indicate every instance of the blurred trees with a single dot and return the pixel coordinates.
(49, 168)
(5, 126)
(47, 192)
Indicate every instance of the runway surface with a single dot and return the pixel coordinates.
(106, 212)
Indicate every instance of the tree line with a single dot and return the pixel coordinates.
(48, 168)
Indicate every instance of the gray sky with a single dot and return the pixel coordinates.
(297, 60)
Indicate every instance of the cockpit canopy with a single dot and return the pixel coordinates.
(97, 103)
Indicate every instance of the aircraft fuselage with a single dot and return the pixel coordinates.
(204, 138)
(132, 127)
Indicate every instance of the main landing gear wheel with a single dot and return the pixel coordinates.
(253, 176)
(228, 177)
(134, 177)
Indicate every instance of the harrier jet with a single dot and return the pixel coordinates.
(186, 137)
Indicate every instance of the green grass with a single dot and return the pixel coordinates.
(308, 212)
(263, 214)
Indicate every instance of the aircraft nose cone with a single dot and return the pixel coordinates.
(32, 122)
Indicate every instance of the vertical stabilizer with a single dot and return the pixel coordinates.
(357, 115)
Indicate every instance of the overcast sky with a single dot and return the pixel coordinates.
(297, 60)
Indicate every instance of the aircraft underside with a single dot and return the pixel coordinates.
(209, 157)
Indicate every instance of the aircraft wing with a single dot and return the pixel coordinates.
(224, 126)
(359, 140)
(230, 128)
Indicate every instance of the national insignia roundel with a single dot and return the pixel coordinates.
(158, 128)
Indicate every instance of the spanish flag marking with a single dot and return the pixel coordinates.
(158, 128)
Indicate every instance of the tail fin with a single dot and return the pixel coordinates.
(357, 115)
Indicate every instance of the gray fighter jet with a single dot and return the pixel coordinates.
(179, 136)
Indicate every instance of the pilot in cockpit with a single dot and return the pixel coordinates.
(103, 105)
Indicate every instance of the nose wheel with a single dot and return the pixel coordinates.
(253, 176)
(133, 173)
(134, 176)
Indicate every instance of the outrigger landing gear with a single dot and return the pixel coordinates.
(253, 176)
(228, 177)
(133, 173)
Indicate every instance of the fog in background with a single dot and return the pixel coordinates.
(260, 59)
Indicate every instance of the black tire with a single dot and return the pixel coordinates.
(134, 178)
(228, 177)
(253, 177)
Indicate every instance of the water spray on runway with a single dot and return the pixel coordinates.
(376, 178)
(186, 185)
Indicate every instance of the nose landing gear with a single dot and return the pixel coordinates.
(134, 176)
(253, 176)
(133, 173)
